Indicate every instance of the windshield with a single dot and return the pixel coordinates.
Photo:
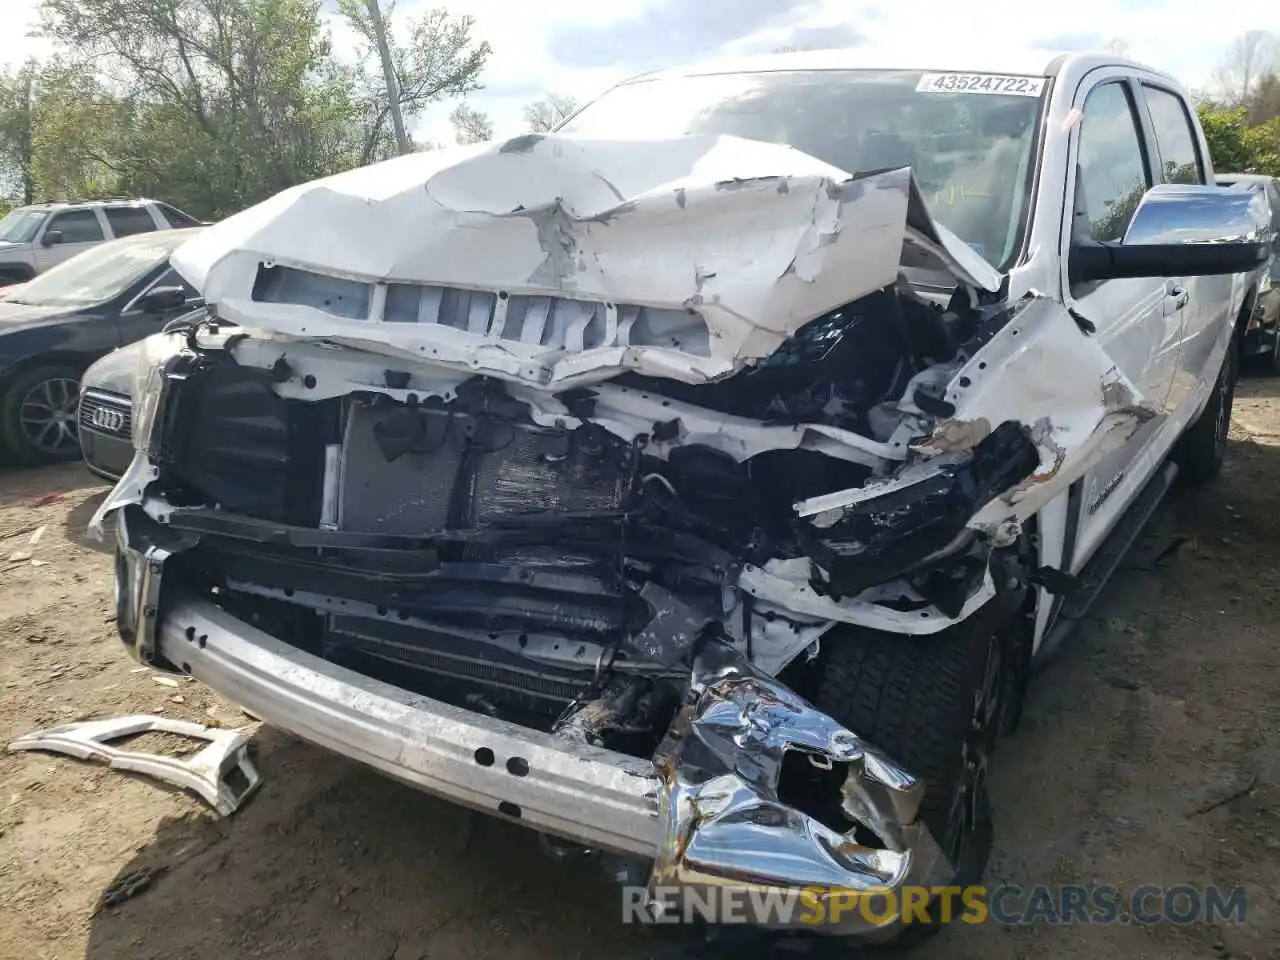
(98, 274)
(19, 226)
(971, 152)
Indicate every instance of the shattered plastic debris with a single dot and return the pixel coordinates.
(128, 885)
(221, 773)
(19, 556)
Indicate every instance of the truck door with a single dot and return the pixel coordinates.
(1138, 322)
(1207, 313)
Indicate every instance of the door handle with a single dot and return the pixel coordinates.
(1179, 296)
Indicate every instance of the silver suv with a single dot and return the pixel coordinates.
(35, 238)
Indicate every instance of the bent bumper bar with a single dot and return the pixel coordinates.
(706, 810)
(592, 796)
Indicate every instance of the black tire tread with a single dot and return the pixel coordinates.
(1195, 452)
(912, 697)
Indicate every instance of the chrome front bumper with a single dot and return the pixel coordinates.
(706, 811)
(602, 799)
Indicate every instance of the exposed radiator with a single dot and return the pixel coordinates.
(470, 471)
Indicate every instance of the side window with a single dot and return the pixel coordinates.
(77, 226)
(126, 221)
(177, 219)
(1175, 136)
(171, 278)
(1111, 169)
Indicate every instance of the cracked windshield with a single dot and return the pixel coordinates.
(970, 151)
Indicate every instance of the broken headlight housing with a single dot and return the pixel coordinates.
(912, 527)
(150, 377)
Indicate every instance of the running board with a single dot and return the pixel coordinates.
(1105, 561)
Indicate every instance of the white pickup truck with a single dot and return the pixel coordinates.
(697, 484)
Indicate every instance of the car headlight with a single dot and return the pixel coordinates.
(149, 382)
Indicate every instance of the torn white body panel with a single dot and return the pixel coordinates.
(558, 261)
(1042, 369)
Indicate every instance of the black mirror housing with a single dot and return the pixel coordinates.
(160, 299)
(1092, 261)
(51, 238)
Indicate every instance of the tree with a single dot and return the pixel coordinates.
(1251, 56)
(1237, 147)
(17, 126)
(437, 61)
(229, 101)
(78, 134)
(546, 114)
(378, 30)
(470, 125)
(1264, 102)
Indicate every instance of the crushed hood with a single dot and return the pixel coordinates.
(553, 260)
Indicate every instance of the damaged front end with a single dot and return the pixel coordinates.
(571, 561)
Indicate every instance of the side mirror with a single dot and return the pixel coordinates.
(160, 299)
(1182, 230)
(51, 237)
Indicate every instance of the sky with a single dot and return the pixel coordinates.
(581, 47)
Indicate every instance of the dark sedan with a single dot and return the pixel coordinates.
(55, 326)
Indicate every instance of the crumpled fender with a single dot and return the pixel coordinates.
(1046, 372)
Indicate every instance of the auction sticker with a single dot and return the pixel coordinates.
(1010, 86)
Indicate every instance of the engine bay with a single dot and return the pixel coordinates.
(550, 567)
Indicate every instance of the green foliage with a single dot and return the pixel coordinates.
(1237, 147)
(438, 60)
(212, 105)
(470, 125)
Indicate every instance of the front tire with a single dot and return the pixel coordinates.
(934, 705)
(13, 275)
(1270, 361)
(38, 415)
(1201, 450)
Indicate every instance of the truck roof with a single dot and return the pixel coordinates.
(1043, 63)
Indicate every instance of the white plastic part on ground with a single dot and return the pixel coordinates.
(221, 773)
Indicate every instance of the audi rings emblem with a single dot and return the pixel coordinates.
(112, 421)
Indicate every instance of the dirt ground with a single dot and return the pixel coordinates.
(1150, 753)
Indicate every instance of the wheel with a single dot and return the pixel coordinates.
(38, 415)
(1200, 451)
(934, 705)
(9, 276)
(1269, 362)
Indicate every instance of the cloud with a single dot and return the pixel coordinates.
(1068, 42)
(836, 36)
(21, 18)
(581, 47)
(671, 30)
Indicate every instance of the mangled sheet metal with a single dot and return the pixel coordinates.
(557, 261)
(724, 823)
